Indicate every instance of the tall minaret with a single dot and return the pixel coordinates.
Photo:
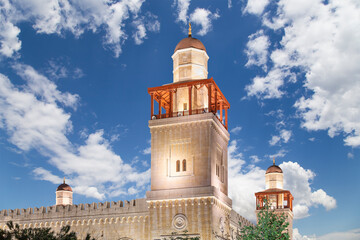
(189, 144)
(280, 200)
(64, 194)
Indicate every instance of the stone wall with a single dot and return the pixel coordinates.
(107, 220)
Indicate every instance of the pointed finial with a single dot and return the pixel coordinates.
(64, 180)
(274, 161)
(189, 29)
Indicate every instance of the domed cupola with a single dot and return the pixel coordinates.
(64, 194)
(274, 177)
(190, 60)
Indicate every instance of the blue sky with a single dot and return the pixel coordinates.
(74, 103)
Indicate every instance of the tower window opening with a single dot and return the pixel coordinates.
(178, 166)
(185, 107)
(184, 165)
(217, 170)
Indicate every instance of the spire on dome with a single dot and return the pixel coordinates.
(64, 181)
(189, 29)
(274, 161)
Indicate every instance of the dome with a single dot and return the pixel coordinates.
(190, 42)
(64, 187)
(274, 169)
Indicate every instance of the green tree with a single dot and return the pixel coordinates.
(270, 226)
(17, 233)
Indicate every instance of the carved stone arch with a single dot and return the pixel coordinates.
(30, 225)
(146, 218)
(41, 225)
(47, 224)
(135, 219)
(123, 219)
(95, 221)
(36, 225)
(106, 221)
(84, 222)
(67, 222)
(62, 223)
(129, 219)
(52, 224)
(89, 222)
(117, 220)
(73, 223)
(78, 223)
(101, 221)
(141, 219)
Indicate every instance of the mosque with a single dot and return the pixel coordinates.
(189, 170)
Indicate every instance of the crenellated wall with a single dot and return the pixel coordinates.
(102, 220)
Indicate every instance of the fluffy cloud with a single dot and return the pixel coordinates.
(200, 16)
(246, 179)
(257, 50)
(243, 183)
(204, 18)
(319, 41)
(60, 16)
(284, 136)
(34, 119)
(182, 10)
(256, 6)
(298, 180)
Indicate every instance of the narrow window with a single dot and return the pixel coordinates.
(184, 165)
(185, 106)
(178, 166)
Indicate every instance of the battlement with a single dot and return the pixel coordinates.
(75, 211)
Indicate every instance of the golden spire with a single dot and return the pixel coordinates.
(274, 161)
(64, 180)
(189, 29)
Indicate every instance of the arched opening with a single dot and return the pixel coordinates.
(178, 166)
(184, 165)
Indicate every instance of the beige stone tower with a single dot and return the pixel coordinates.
(64, 194)
(280, 200)
(189, 168)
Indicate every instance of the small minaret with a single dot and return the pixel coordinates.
(280, 200)
(64, 194)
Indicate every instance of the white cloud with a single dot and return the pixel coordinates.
(182, 10)
(298, 236)
(147, 151)
(281, 153)
(229, 4)
(319, 41)
(236, 130)
(353, 234)
(243, 183)
(76, 17)
(33, 119)
(274, 140)
(284, 136)
(298, 181)
(257, 50)
(350, 155)
(256, 6)
(204, 18)
(44, 174)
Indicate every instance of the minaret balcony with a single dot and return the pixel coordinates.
(189, 98)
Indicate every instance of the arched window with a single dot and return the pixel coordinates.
(184, 165)
(178, 166)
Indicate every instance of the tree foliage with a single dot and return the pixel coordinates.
(270, 226)
(16, 233)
